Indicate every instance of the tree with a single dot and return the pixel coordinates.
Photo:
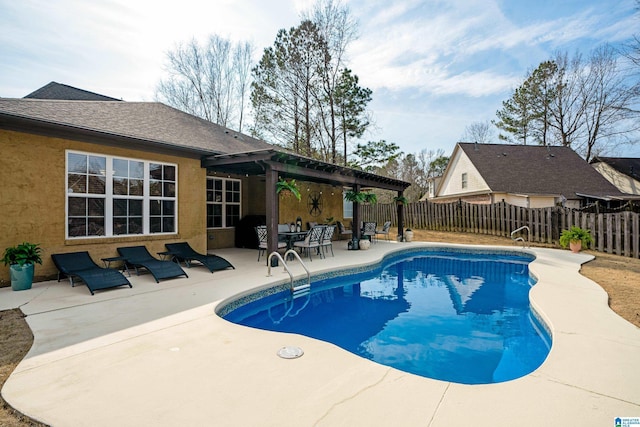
(208, 81)
(351, 101)
(480, 132)
(541, 84)
(608, 100)
(302, 95)
(516, 115)
(338, 29)
(285, 86)
(374, 154)
(578, 103)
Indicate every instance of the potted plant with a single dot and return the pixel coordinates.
(400, 200)
(354, 196)
(370, 198)
(408, 235)
(21, 260)
(576, 238)
(288, 188)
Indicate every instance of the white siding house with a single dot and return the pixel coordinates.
(522, 175)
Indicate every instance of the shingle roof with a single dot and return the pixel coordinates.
(629, 166)
(533, 169)
(56, 90)
(145, 121)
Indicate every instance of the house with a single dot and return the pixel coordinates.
(523, 175)
(623, 172)
(95, 175)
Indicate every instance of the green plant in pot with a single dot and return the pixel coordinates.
(575, 238)
(354, 196)
(289, 188)
(360, 197)
(21, 260)
(400, 200)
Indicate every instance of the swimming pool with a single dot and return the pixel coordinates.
(444, 314)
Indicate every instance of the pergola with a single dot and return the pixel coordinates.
(273, 163)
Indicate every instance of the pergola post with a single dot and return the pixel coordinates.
(272, 206)
(400, 209)
(355, 225)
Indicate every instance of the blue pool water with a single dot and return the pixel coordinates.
(453, 316)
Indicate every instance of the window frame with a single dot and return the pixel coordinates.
(110, 199)
(465, 180)
(223, 202)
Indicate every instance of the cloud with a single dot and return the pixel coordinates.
(462, 47)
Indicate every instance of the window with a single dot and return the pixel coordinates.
(347, 208)
(138, 198)
(223, 202)
(464, 180)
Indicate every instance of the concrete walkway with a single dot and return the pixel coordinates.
(158, 355)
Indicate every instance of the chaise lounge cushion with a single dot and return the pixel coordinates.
(184, 252)
(139, 256)
(80, 264)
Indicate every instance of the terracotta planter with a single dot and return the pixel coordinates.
(575, 246)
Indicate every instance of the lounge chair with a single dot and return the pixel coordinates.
(385, 230)
(80, 264)
(342, 231)
(184, 252)
(139, 256)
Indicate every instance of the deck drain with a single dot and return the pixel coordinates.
(290, 352)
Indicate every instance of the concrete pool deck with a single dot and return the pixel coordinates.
(157, 354)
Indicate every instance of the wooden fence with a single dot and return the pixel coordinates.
(615, 233)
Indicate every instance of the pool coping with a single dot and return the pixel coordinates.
(191, 367)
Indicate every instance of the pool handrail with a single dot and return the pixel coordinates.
(520, 238)
(286, 267)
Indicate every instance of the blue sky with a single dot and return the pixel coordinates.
(434, 66)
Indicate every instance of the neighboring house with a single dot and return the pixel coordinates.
(97, 175)
(623, 172)
(56, 90)
(432, 184)
(523, 175)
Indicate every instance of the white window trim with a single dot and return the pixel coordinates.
(224, 202)
(109, 197)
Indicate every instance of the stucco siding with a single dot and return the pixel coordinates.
(452, 181)
(32, 173)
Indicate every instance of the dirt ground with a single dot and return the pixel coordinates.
(619, 276)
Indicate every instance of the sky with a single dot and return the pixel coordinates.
(434, 66)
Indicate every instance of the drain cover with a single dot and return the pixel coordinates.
(290, 352)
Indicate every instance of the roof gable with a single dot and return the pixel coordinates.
(629, 166)
(529, 169)
(56, 90)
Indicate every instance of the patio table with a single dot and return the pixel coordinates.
(292, 236)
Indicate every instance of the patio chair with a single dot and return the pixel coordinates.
(261, 231)
(327, 238)
(184, 252)
(369, 230)
(385, 230)
(342, 231)
(311, 241)
(139, 256)
(80, 264)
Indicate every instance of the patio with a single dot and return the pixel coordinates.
(157, 354)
